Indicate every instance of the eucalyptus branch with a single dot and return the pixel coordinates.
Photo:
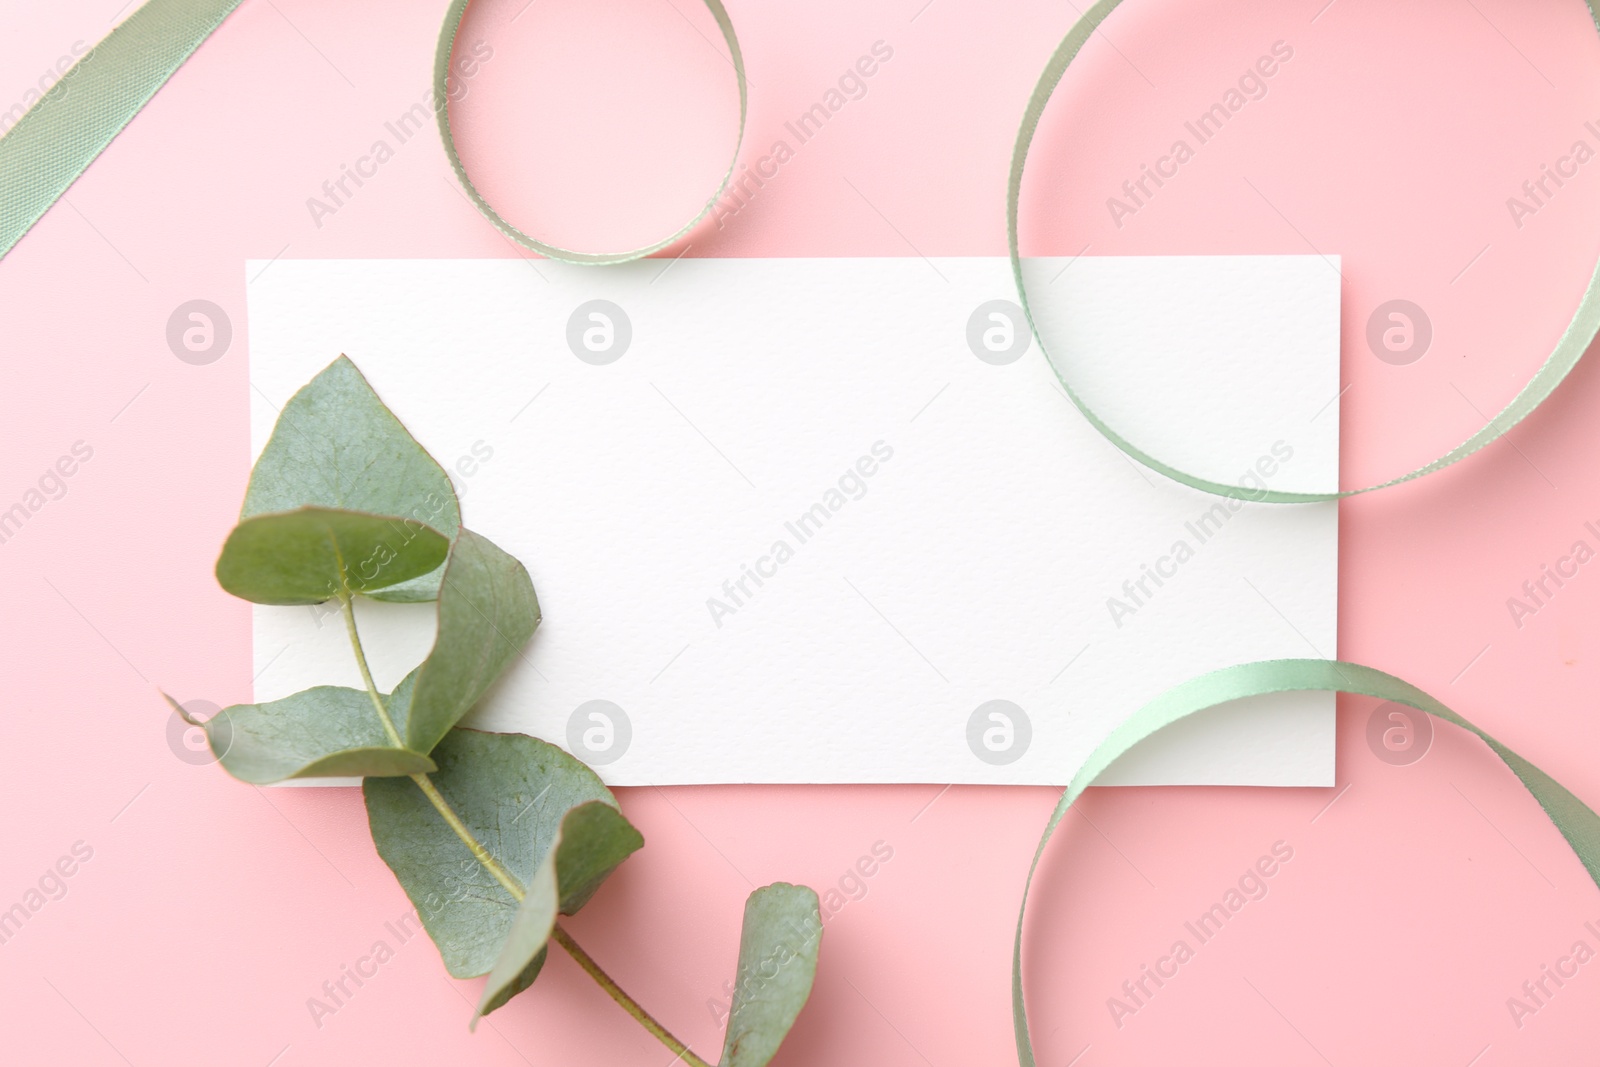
(343, 498)
(493, 866)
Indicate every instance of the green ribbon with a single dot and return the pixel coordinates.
(1576, 821)
(56, 140)
(1580, 332)
(441, 74)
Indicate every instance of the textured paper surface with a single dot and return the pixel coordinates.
(814, 516)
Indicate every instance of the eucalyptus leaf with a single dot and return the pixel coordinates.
(504, 991)
(487, 611)
(777, 964)
(323, 732)
(305, 556)
(523, 954)
(595, 839)
(336, 445)
(592, 841)
(511, 791)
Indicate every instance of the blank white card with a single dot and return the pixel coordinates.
(835, 520)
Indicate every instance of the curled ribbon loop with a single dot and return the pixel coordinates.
(441, 73)
(1576, 821)
(1569, 349)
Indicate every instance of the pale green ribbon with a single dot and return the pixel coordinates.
(441, 73)
(1576, 821)
(57, 139)
(1574, 341)
(60, 135)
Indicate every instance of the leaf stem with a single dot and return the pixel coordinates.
(558, 933)
(490, 864)
(481, 854)
(560, 936)
(429, 790)
(366, 675)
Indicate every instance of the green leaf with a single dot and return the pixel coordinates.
(595, 839)
(523, 955)
(592, 841)
(777, 963)
(522, 981)
(337, 446)
(304, 556)
(487, 611)
(324, 732)
(512, 792)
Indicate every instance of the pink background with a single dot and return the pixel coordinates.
(1415, 904)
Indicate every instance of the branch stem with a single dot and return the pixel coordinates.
(481, 854)
(493, 866)
(560, 936)
(366, 674)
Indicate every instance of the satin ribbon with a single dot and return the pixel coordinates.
(1580, 332)
(59, 136)
(1576, 821)
(56, 140)
(441, 72)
